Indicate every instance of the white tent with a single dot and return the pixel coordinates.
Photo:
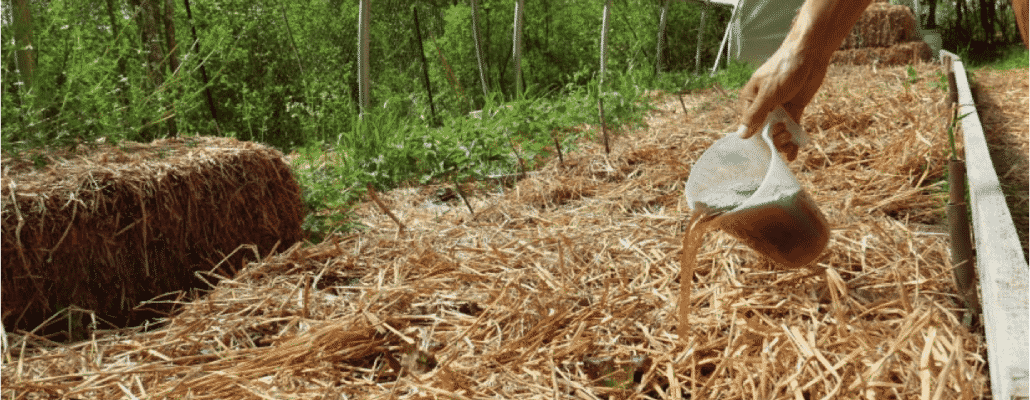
(756, 28)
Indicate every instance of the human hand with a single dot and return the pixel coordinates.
(790, 78)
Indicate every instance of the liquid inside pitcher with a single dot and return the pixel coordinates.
(747, 189)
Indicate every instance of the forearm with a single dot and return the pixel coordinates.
(822, 25)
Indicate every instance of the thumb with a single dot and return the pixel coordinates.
(755, 117)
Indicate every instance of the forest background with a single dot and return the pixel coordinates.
(285, 73)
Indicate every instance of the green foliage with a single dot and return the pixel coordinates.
(1015, 56)
(284, 73)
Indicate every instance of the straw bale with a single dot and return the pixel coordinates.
(104, 227)
(538, 294)
(882, 25)
(898, 54)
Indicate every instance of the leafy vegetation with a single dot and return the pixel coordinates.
(385, 151)
(285, 74)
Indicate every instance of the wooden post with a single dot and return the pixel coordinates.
(363, 66)
(604, 127)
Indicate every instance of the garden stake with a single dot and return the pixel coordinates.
(604, 130)
(961, 245)
(557, 147)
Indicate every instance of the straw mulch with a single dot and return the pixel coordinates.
(104, 227)
(565, 285)
(1002, 102)
(882, 25)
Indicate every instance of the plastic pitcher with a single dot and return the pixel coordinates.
(748, 187)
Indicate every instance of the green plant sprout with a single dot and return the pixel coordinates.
(951, 134)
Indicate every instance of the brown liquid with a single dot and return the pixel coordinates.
(699, 224)
(792, 239)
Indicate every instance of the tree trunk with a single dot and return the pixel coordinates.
(26, 52)
(931, 15)
(660, 52)
(700, 37)
(203, 70)
(960, 20)
(123, 81)
(987, 19)
(478, 39)
(148, 17)
(425, 67)
(293, 42)
(173, 64)
(169, 25)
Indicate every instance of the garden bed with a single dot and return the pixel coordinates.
(565, 285)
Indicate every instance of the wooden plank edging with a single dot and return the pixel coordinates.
(999, 258)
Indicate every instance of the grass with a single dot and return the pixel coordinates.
(1013, 57)
(997, 57)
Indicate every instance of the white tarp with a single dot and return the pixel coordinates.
(756, 28)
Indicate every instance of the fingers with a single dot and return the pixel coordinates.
(784, 141)
(758, 109)
(790, 150)
(748, 95)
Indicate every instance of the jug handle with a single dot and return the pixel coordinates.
(798, 134)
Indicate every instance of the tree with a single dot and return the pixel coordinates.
(987, 19)
(23, 40)
(150, 21)
(931, 15)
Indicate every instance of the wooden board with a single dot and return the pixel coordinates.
(1000, 263)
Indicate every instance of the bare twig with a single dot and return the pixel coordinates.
(375, 198)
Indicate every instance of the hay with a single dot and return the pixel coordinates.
(106, 227)
(882, 25)
(899, 54)
(566, 284)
